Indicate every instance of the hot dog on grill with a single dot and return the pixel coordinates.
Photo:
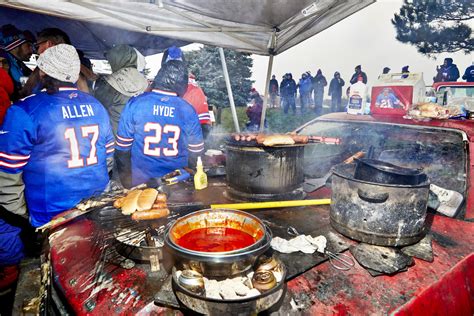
(150, 214)
(160, 198)
(300, 139)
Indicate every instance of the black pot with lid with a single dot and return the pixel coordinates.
(379, 171)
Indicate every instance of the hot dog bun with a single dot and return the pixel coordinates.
(278, 139)
(146, 199)
(119, 202)
(130, 202)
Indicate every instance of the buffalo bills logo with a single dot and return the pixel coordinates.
(164, 99)
(73, 95)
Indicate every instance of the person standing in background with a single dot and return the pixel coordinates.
(469, 73)
(319, 82)
(288, 93)
(195, 96)
(335, 91)
(385, 71)
(447, 72)
(305, 86)
(358, 75)
(273, 91)
(254, 112)
(405, 72)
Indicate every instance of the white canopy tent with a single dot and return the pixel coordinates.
(264, 27)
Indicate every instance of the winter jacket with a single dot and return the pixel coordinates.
(17, 70)
(356, 76)
(287, 88)
(469, 74)
(319, 82)
(114, 90)
(273, 87)
(305, 85)
(335, 87)
(450, 72)
(196, 97)
(6, 90)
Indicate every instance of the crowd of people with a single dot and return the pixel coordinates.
(67, 134)
(309, 90)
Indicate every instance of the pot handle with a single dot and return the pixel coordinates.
(373, 197)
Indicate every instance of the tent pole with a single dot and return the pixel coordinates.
(265, 99)
(229, 90)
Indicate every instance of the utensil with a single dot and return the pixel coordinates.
(339, 261)
(311, 185)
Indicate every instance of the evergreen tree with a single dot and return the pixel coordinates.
(205, 64)
(436, 26)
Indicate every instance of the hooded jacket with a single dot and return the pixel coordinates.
(114, 90)
(6, 90)
(448, 72)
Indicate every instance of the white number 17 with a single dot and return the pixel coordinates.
(76, 161)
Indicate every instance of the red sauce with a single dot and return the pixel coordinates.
(216, 239)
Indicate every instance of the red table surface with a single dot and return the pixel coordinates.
(445, 286)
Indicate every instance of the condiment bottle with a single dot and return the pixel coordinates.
(200, 177)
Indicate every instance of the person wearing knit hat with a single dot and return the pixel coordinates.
(60, 62)
(61, 141)
(16, 48)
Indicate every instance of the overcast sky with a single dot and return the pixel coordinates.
(366, 38)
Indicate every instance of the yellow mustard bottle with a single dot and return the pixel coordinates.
(200, 177)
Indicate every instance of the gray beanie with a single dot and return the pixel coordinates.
(60, 62)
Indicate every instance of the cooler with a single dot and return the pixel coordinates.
(393, 93)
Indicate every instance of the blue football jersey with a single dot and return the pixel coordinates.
(60, 142)
(159, 128)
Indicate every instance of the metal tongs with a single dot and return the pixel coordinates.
(339, 261)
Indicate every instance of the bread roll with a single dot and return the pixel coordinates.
(146, 199)
(130, 202)
(278, 139)
(119, 202)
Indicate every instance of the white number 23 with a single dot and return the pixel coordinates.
(156, 138)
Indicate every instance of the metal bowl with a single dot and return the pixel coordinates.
(217, 218)
(266, 301)
(218, 264)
